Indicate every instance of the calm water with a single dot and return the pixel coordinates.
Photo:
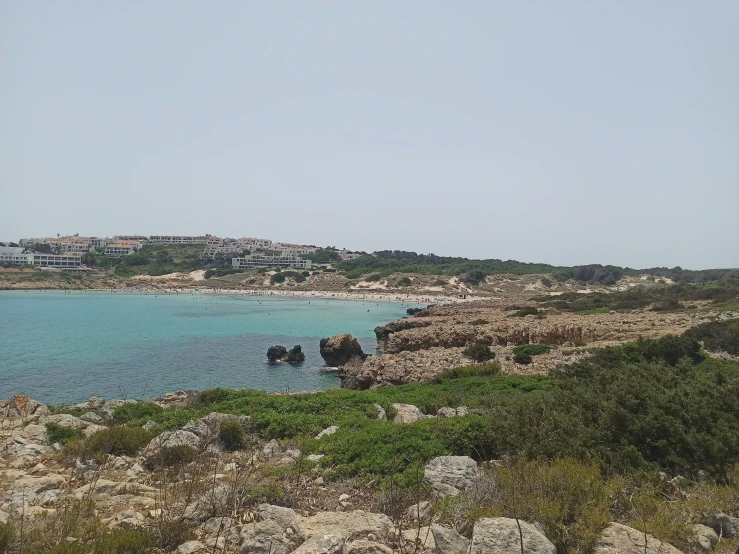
(58, 347)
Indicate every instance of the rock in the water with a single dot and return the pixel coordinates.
(501, 535)
(448, 541)
(295, 355)
(339, 350)
(620, 539)
(276, 353)
(725, 526)
(407, 413)
(322, 543)
(451, 474)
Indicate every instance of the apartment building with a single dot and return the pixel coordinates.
(178, 239)
(295, 249)
(14, 255)
(348, 254)
(122, 247)
(138, 238)
(18, 256)
(260, 260)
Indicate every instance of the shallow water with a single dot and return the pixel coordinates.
(65, 347)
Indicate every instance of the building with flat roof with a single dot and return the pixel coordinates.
(178, 239)
(122, 247)
(20, 256)
(261, 260)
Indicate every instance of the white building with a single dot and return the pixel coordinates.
(260, 260)
(122, 247)
(178, 239)
(16, 256)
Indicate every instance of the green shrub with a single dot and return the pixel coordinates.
(669, 349)
(404, 282)
(277, 278)
(116, 441)
(232, 435)
(546, 282)
(138, 411)
(527, 310)
(373, 277)
(208, 397)
(171, 456)
(531, 349)
(7, 536)
(523, 359)
(490, 369)
(440, 283)
(479, 352)
(717, 335)
(124, 541)
(479, 322)
(472, 277)
(62, 435)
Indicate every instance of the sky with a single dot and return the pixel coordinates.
(559, 132)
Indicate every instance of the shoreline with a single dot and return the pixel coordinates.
(328, 295)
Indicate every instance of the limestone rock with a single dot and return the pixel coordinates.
(322, 543)
(453, 412)
(422, 512)
(451, 474)
(381, 415)
(327, 431)
(353, 525)
(295, 355)
(501, 535)
(407, 413)
(285, 517)
(449, 541)
(211, 503)
(190, 547)
(265, 537)
(421, 537)
(339, 350)
(107, 410)
(724, 526)
(271, 449)
(207, 428)
(704, 539)
(367, 547)
(620, 539)
(21, 406)
(169, 439)
(92, 417)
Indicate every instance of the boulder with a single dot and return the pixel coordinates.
(92, 417)
(421, 512)
(295, 355)
(380, 411)
(212, 503)
(271, 449)
(327, 431)
(704, 539)
(451, 474)
(107, 410)
(725, 526)
(407, 413)
(207, 428)
(276, 353)
(453, 412)
(620, 539)
(339, 350)
(421, 538)
(367, 547)
(322, 543)
(285, 517)
(267, 537)
(501, 535)
(169, 439)
(354, 525)
(94, 403)
(26, 445)
(22, 406)
(190, 547)
(449, 541)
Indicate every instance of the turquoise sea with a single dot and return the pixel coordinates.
(65, 347)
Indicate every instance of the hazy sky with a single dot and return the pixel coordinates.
(560, 132)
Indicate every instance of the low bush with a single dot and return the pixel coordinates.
(171, 456)
(531, 349)
(232, 435)
(546, 282)
(404, 282)
(523, 359)
(7, 536)
(490, 369)
(527, 310)
(373, 277)
(116, 441)
(479, 322)
(277, 278)
(717, 336)
(62, 435)
(472, 277)
(138, 411)
(479, 352)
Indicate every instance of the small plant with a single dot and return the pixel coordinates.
(116, 441)
(479, 352)
(531, 349)
(277, 278)
(479, 322)
(527, 310)
(546, 282)
(171, 456)
(208, 397)
(523, 359)
(232, 435)
(62, 435)
(7, 536)
(373, 277)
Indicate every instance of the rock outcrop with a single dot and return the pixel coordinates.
(340, 350)
(620, 539)
(502, 536)
(451, 474)
(279, 353)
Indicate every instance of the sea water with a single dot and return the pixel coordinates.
(61, 347)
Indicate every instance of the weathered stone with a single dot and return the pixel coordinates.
(216, 501)
(451, 474)
(170, 439)
(449, 541)
(314, 457)
(322, 543)
(421, 537)
(265, 537)
(337, 351)
(352, 525)
(190, 547)
(285, 517)
(271, 449)
(380, 411)
(502, 536)
(421, 512)
(724, 525)
(620, 539)
(327, 431)
(92, 417)
(407, 413)
(704, 539)
(367, 547)
(295, 355)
